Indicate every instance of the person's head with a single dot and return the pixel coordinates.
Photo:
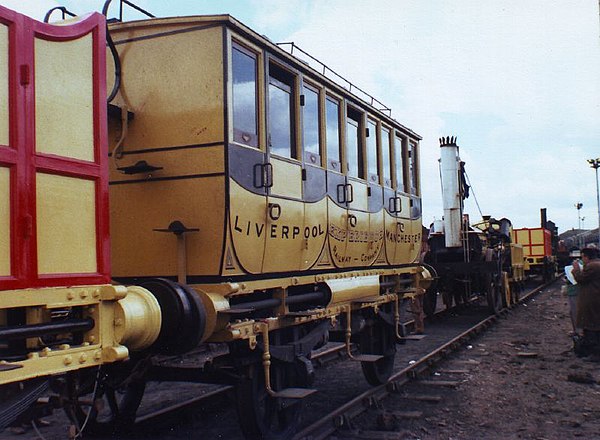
(588, 254)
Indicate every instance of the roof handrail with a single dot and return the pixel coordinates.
(128, 3)
(348, 85)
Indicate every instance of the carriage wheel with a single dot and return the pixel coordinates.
(494, 292)
(378, 338)
(262, 416)
(430, 302)
(99, 404)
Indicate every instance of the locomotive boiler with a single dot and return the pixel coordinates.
(227, 193)
(469, 259)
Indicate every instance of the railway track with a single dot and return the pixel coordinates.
(341, 418)
(341, 382)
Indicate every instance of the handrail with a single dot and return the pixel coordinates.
(64, 11)
(128, 3)
(372, 100)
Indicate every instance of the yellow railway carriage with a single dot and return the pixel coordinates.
(253, 202)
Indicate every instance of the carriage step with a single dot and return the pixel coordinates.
(294, 393)
(367, 357)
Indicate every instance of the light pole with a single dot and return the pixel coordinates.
(595, 164)
(579, 205)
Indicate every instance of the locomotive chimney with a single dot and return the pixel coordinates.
(543, 218)
(449, 165)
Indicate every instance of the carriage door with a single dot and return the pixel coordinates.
(397, 206)
(338, 191)
(415, 201)
(248, 169)
(285, 231)
(357, 247)
(314, 178)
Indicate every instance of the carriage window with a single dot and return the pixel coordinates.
(245, 97)
(353, 144)
(372, 152)
(385, 157)
(412, 167)
(332, 113)
(281, 112)
(399, 162)
(310, 119)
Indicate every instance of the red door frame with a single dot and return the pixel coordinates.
(24, 162)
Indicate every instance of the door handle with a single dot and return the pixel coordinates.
(341, 193)
(349, 193)
(352, 220)
(274, 211)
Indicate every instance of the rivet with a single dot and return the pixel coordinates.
(83, 294)
(68, 360)
(82, 358)
(70, 295)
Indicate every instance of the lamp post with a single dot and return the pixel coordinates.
(579, 205)
(595, 164)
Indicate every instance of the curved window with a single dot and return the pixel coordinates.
(372, 152)
(353, 144)
(399, 162)
(332, 115)
(245, 97)
(385, 157)
(310, 120)
(281, 113)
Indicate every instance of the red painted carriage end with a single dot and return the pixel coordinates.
(24, 163)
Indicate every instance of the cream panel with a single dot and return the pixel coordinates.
(174, 93)
(337, 233)
(287, 178)
(415, 240)
(66, 224)
(358, 247)
(137, 209)
(64, 114)
(284, 235)
(4, 221)
(4, 130)
(247, 222)
(315, 225)
(360, 196)
(184, 162)
(390, 238)
(376, 233)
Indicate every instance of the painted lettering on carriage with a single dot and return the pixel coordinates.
(276, 230)
(402, 238)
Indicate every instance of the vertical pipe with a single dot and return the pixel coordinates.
(451, 197)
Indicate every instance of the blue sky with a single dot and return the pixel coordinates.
(518, 83)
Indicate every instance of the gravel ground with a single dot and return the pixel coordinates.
(518, 380)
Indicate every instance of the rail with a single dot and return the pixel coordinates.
(344, 82)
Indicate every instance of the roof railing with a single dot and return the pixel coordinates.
(324, 70)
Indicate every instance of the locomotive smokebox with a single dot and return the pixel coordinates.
(449, 167)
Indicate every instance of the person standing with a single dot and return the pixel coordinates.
(571, 290)
(588, 302)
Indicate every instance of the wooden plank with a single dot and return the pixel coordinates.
(373, 435)
(440, 383)
(454, 371)
(413, 337)
(425, 398)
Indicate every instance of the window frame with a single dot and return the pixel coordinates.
(309, 156)
(257, 55)
(372, 178)
(275, 75)
(334, 165)
(400, 139)
(391, 166)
